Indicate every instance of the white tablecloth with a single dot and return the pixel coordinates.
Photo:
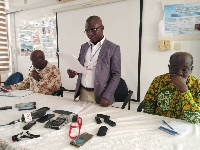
(133, 130)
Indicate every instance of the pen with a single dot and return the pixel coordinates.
(167, 124)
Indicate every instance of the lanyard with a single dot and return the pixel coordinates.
(91, 56)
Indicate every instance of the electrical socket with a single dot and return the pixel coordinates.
(177, 46)
(164, 45)
(160, 45)
(167, 45)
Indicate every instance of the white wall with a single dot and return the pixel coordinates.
(119, 27)
(154, 62)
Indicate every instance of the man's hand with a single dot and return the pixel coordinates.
(71, 73)
(104, 102)
(179, 82)
(6, 88)
(35, 75)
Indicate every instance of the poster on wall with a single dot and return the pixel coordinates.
(39, 34)
(182, 18)
(26, 43)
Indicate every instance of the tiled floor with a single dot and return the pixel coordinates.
(133, 105)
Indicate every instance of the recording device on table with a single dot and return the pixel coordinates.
(103, 129)
(106, 119)
(29, 125)
(26, 106)
(35, 114)
(58, 122)
(45, 118)
(5, 107)
(74, 132)
(40, 113)
(81, 139)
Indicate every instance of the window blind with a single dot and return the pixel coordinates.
(4, 53)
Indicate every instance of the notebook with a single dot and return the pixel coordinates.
(179, 128)
(16, 93)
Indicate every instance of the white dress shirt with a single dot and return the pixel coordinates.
(91, 58)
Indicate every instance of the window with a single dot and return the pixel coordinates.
(4, 53)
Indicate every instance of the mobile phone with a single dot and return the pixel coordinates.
(81, 139)
(27, 107)
(59, 122)
(29, 125)
(45, 118)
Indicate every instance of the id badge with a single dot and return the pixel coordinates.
(89, 67)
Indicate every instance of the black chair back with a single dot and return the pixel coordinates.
(121, 92)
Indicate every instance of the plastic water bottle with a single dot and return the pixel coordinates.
(75, 127)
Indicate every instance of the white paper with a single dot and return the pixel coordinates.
(16, 93)
(71, 108)
(179, 127)
(72, 62)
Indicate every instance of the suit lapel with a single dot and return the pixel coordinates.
(103, 50)
(83, 54)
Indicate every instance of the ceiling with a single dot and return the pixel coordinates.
(20, 5)
(17, 5)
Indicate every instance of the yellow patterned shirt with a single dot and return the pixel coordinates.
(164, 99)
(50, 81)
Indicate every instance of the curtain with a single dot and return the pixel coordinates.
(4, 53)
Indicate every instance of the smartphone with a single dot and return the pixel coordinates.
(81, 139)
(45, 118)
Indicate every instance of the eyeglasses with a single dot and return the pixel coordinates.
(92, 30)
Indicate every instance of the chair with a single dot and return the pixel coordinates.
(122, 94)
(59, 92)
(140, 107)
(13, 79)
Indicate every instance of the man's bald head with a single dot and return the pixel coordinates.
(181, 64)
(38, 59)
(38, 54)
(92, 18)
(181, 56)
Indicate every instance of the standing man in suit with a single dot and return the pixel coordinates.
(102, 60)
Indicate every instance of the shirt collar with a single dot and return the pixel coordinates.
(101, 42)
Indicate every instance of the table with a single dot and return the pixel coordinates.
(133, 130)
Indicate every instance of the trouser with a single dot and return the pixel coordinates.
(87, 95)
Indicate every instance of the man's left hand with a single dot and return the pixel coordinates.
(104, 102)
(35, 75)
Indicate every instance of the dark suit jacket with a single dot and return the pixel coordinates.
(107, 72)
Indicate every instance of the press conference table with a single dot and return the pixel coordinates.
(133, 130)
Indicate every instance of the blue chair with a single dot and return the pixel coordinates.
(14, 78)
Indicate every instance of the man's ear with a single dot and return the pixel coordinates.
(192, 68)
(169, 67)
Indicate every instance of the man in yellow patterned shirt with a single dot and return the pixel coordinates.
(177, 93)
(43, 78)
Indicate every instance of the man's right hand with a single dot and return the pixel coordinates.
(71, 73)
(6, 88)
(179, 82)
